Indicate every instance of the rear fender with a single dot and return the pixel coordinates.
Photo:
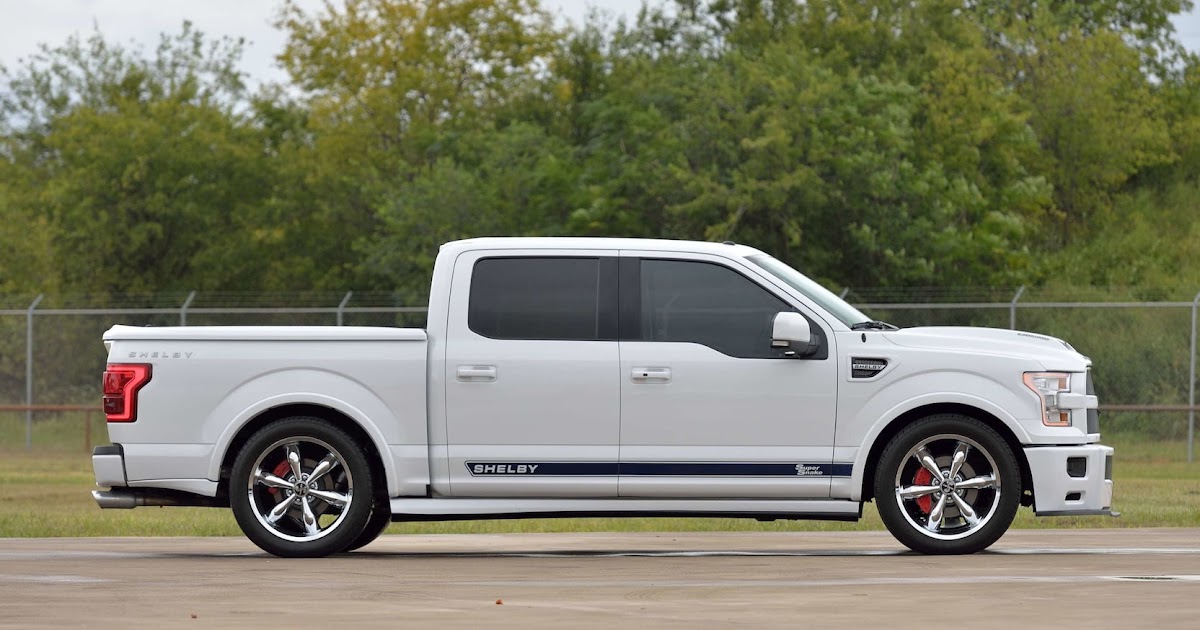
(298, 386)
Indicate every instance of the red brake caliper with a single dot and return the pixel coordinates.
(922, 478)
(284, 468)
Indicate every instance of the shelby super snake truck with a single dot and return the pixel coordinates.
(604, 377)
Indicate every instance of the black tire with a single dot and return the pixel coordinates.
(970, 509)
(381, 517)
(272, 496)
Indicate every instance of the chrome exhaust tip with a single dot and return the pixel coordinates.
(115, 499)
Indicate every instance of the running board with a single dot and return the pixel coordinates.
(451, 509)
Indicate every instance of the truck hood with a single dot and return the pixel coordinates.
(1053, 353)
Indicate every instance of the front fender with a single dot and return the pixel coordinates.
(897, 400)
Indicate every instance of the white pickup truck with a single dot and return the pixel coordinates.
(604, 377)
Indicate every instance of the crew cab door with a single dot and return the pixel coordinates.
(708, 408)
(532, 387)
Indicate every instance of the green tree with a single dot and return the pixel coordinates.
(138, 166)
(27, 248)
(1179, 98)
(903, 160)
(391, 86)
(515, 181)
(1016, 27)
(1097, 118)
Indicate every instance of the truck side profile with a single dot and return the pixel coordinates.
(610, 377)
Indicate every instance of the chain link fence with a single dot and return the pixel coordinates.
(1143, 347)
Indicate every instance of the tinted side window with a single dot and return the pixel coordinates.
(535, 298)
(707, 304)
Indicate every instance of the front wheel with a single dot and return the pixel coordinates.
(301, 488)
(947, 484)
(381, 517)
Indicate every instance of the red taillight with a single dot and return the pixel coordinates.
(121, 384)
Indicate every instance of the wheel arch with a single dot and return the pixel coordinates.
(376, 458)
(888, 431)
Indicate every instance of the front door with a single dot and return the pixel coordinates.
(708, 409)
(532, 388)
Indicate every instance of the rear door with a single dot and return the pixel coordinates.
(532, 387)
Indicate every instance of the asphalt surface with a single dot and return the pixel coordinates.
(1074, 578)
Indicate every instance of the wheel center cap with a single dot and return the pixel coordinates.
(947, 486)
(302, 489)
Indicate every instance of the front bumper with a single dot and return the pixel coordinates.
(1071, 480)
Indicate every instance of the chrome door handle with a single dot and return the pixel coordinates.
(476, 373)
(651, 375)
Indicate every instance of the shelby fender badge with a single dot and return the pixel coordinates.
(861, 367)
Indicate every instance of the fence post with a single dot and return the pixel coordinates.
(1192, 382)
(183, 309)
(1012, 309)
(29, 372)
(87, 431)
(342, 305)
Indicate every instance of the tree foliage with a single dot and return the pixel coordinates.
(936, 142)
(135, 165)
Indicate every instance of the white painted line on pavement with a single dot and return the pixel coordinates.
(856, 581)
(50, 579)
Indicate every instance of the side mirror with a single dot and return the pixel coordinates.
(790, 331)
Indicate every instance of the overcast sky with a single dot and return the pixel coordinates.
(26, 23)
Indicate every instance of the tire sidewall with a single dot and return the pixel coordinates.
(1008, 472)
(378, 522)
(355, 459)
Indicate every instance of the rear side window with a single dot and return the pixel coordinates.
(536, 298)
(708, 304)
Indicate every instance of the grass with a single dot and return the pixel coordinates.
(53, 431)
(47, 495)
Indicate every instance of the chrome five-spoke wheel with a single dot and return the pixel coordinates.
(301, 487)
(947, 484)
(947, 487)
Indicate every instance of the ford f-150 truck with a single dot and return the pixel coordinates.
(604, 377)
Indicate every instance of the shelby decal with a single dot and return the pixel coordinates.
(808, 470)
(503, 469)
(160, 355)
(543, 469)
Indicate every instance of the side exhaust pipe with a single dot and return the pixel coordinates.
(108, 499)
(129, 498)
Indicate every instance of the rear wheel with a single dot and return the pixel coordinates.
(947, 484)
(301, 487)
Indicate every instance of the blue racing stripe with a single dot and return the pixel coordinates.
(659, 469)
(731, 469)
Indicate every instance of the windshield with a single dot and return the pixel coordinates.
(824, 298)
